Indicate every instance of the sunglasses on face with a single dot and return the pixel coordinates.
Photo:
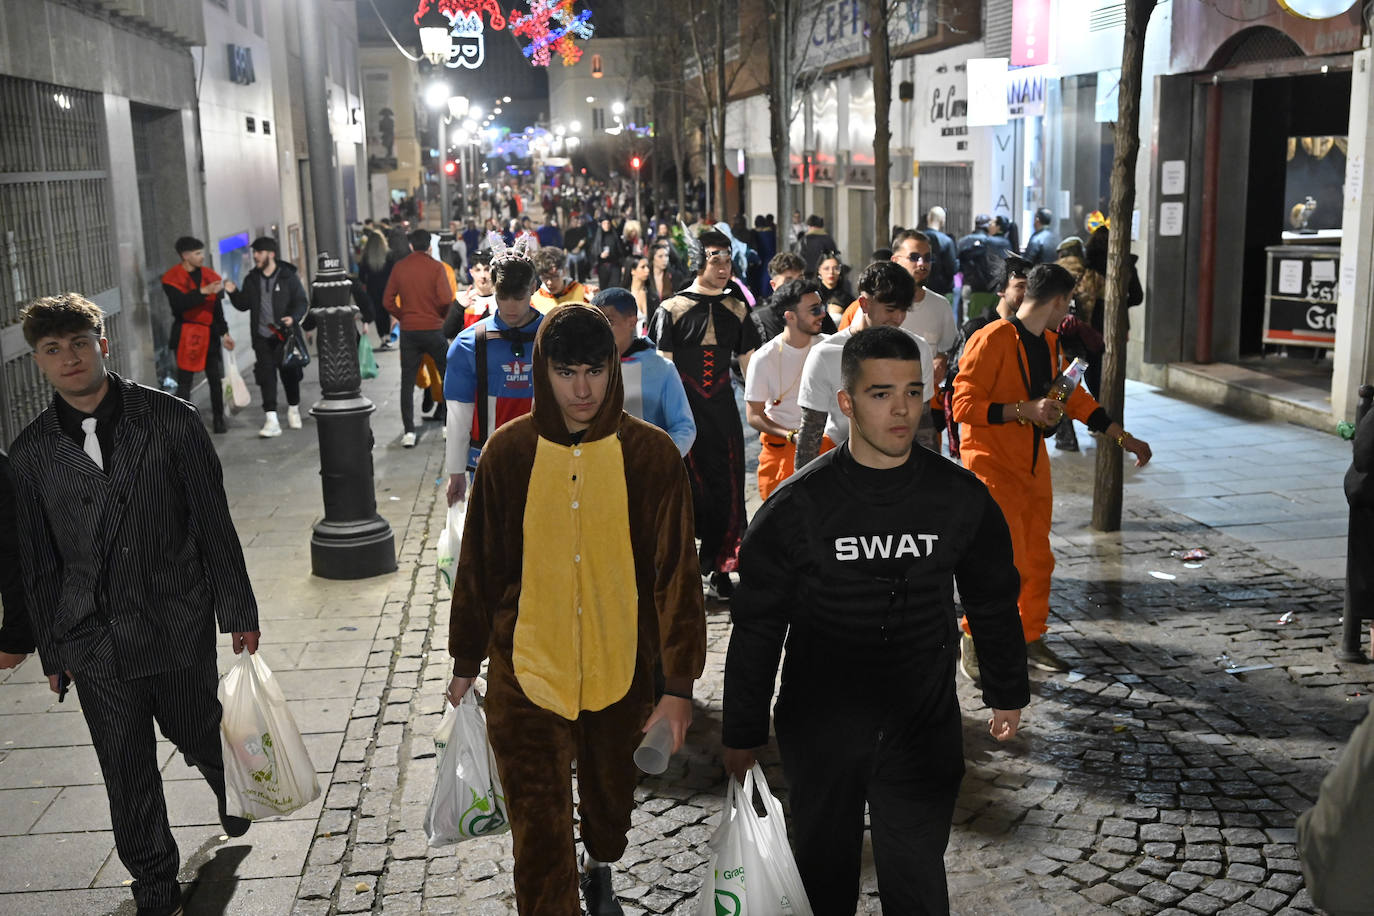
(918, 258)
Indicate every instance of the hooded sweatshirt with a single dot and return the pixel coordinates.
(578, 559)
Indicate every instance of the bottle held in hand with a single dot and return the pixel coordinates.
(1068, 380)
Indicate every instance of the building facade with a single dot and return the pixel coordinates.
(98, 174)
(1243, 305)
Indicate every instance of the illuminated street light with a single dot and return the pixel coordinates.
(475, 111)
(435, 40)
(436, 95)
(457, 106)
(470, 125)
(575, 127)
(617, 107)
(506, 99)
(591, 100)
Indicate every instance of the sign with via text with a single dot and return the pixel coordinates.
(1031, 33)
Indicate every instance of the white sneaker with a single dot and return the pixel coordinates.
(293, 417)
(271, 428)
(407, 441)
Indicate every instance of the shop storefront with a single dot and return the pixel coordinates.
(1249, 231)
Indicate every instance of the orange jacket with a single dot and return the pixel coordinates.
(848, 317)
(992, 370)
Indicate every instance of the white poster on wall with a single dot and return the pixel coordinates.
(1172, 177)
(941, 103)
(987, 91)
(1171, 219)
(1290, 278)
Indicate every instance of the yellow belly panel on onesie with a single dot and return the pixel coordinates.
(576, 633)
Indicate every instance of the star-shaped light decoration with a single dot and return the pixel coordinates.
(551, 25)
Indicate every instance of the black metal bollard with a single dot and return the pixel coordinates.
(352, 541)
(1359, 590)
(447, 240)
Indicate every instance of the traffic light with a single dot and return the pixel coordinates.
(450, 167)
(634, 163)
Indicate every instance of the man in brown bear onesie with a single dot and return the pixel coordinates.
(578, 572)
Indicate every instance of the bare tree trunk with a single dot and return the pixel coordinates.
(679, 167)
(780, 100)
(881, 55)
(1107, 484)
(719, 115)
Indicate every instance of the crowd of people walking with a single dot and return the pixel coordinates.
(594, 382)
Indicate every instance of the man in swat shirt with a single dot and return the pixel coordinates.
(853, 562)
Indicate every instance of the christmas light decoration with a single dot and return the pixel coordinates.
(551, 26)
(454, 8)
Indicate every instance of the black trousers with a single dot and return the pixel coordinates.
(414, 346)
(120, 714)
(267, 367)
(214, 377)
(895, 745)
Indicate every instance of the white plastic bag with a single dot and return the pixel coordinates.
(752, 870)
(468, 800)
(267, 771)
(451, 542)
(235, 389)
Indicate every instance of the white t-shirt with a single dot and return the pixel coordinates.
(933, 319)
(775, 372)
(821, 379)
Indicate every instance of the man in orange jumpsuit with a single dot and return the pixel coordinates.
(1000, 401)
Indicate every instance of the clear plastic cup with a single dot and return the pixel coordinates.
(653, 752)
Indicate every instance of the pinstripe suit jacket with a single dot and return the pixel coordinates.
(147, 544)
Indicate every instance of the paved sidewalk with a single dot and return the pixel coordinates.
(1148, 781)
(326, 641)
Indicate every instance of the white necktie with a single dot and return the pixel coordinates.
(92, 444)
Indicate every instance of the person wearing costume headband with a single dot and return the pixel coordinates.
(577, 577)
(700, 329)
(488, 382)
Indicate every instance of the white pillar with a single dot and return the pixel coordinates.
(1354, 357)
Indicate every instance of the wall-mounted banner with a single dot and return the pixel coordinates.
(1031, 33)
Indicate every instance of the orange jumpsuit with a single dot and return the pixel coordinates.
(1010, 458)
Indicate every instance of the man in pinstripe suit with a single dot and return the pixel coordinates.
(130, 557)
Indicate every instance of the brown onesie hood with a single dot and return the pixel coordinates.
(548, 417)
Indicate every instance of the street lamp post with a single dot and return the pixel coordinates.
(352, 541)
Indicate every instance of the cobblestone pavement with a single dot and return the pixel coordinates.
(1147, 781)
